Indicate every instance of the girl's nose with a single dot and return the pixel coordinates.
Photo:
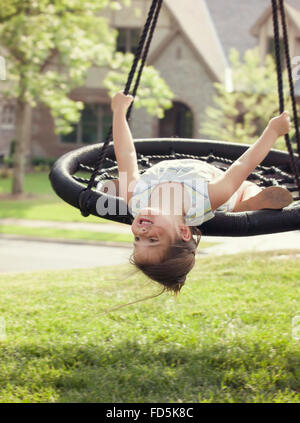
(143, 230)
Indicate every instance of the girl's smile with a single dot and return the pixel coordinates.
(143, 221)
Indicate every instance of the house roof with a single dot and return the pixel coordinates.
(292, 13)
(234, 19)
(195, 21)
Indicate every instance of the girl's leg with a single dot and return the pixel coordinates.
(252, 197)
(247, 190)
(250, 189)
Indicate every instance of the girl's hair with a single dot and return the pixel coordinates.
(178, 261)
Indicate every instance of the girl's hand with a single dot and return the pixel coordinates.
(281, 124)
(121, 102)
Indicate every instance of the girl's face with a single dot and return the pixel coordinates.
(154, 233)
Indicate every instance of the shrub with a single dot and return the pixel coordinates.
(42, 163)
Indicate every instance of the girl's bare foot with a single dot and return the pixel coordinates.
(269, 198)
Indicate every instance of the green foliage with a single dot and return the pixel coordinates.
(65, 234)
(227, 338)
(49, 47)
(41, 202)
(72, 38)
(46, 162)
(242, 115)
(153, 94)
(5, 173)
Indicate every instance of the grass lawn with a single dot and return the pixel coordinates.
(228, 337)
(63, 234)
(44, 208)
(44, 204)
(35, 183)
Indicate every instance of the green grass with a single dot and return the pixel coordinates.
(47, 206)
(80, 235)
(64, 234)
(35, 183)
(44, 209)
(44, 204)
(226, 338)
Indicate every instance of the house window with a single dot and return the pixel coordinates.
(93, 127)
(128, 39)
(7, 119)
(271, 50)
(178, 122)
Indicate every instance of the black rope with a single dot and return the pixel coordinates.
(145, 55)
(130, 77)
(277, 55)
(142, 51)
(263, 176)
(289, 69)
(280, 82)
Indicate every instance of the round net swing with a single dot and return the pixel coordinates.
(77, 176)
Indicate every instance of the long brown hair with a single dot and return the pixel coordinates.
(178, 261)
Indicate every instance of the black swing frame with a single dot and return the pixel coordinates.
(223, 224)
(97, 203)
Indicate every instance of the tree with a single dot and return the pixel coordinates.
(242, 115)
(49, 47)
(153, 93)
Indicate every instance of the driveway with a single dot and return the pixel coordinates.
(234, 245)
(18, 255)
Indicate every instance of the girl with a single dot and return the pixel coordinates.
(173, 197)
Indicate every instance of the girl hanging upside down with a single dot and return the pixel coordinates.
(173, 197)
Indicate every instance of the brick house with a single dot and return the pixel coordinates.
(190, 50)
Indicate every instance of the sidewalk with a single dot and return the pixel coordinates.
(270, 242)
(226, 245)
(94, 227)
(22, 254)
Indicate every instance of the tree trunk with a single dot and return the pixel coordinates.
(23, 134)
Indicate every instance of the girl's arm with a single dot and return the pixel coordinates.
(123, 145)
(224, 187)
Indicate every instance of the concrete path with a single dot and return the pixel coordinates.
(84, 226)
(24, 255)
(229, 245)
(20, 254)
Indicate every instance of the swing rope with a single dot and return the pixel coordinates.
(279, 168)
(140, 56)
(290, 76)
(280, 81)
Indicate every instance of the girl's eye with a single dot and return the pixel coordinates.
(153, 240)
(136, 238)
